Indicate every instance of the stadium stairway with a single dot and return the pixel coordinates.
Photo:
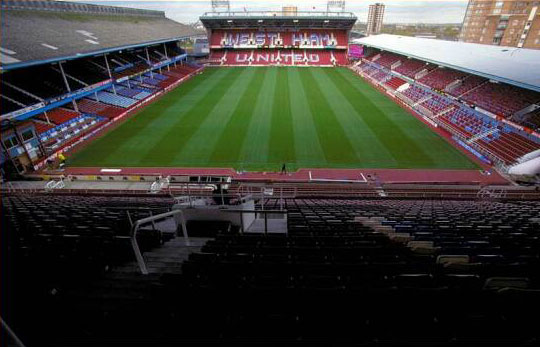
(168, 258)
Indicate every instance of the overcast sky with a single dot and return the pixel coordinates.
(397, 11)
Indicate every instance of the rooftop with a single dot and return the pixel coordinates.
(31, 36)
(516, 66)
(76, 7)
(279, 19)
(262, 14)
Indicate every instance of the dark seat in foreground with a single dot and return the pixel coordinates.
(368, 272)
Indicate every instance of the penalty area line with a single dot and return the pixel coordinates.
(363, 180)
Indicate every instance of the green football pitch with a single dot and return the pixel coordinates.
(257, 118)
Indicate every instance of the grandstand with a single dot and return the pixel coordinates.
(262, 38)
(445, 271)
(268, 191)
(477, 100)
(88, 77)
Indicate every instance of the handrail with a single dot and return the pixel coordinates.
(158, 184)
(137, 225)
(255, 211)
(265, 212)
(210, 195)
(11, 333)
(54, 184)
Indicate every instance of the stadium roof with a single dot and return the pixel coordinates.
(31, 36)
(298, 19)
(516, 66)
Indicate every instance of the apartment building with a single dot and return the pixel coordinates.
(375, 19)
(514, 23)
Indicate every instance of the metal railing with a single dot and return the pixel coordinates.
(186, 192)
(137, 225)
(492, 193)
(11, 333)
(190, 196)
(265, 212)
(262, 192)
(158, 185)
(54, 184)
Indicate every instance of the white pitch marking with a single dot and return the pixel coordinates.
(7, 51)
(92, 42)
(87, 34)
(336, 180)
(49, 46)
(6, 59)
(363, 177)
(111, 170)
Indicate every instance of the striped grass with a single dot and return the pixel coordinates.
(258, 118)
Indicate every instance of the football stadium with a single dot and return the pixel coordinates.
(266, 177)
